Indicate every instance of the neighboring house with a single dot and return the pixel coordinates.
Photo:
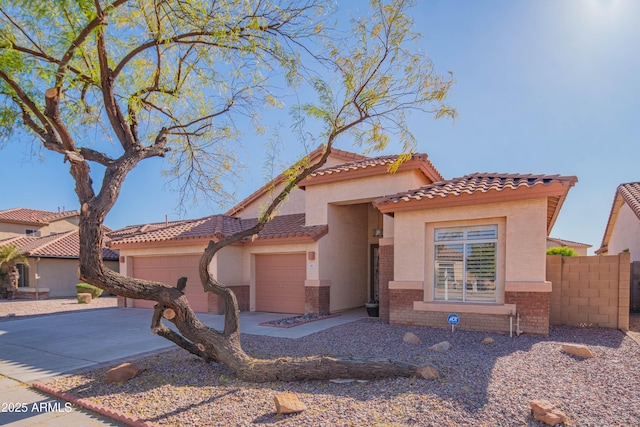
(578, 248)
(36, 223)
(50, 242)
(623, 227)
(352, 232)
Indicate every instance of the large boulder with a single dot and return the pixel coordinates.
(578, 350)
(411, 338)
(428, 372)
(122, 373)
(288, 403)
(441, 346)
(545, 412)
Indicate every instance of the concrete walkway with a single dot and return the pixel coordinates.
(41, 348)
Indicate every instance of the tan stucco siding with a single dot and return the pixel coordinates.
(344, 254)
(67, 224)
(293, 205)
(626, 233)
(59, 275)
(8, 230)
(521, 240)
(357, 190)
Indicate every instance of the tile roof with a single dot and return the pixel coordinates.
(563, 242)
(381, 163)
(475, 183)
(347, 156)
(63, 245)
(33, 216)
(630, 194)
(217, 227)
(490, 184)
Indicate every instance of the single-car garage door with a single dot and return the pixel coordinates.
(280, 282)
(168, 269)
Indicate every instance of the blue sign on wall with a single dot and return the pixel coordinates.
(453, 319)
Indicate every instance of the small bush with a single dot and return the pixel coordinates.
(564, 251)
(85, 288)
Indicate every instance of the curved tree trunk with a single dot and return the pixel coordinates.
(213, 345)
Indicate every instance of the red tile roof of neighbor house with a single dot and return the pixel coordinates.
(374, 166)
(33, 216)
(563, 242)
(62, 245)
(489, 184)
(628, 193)
(217, 227)
(347, 156)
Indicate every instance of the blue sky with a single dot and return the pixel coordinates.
(543, 86)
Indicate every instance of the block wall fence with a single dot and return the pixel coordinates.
(590, 290)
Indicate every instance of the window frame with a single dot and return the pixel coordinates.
(459, 236)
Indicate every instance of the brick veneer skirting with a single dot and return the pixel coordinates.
(317, 299)
(534, 309)
(216, 304)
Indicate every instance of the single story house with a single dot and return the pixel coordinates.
(579, 248)
(422, 245)
(50, 242)
(623, 226)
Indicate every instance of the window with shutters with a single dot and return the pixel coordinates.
(465, 264)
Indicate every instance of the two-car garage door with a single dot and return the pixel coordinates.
(168, 269)
(280, 282)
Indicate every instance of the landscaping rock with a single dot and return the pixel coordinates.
(578, 350)
(441, 346)
(428, 372)
(411, 338)
(545, 412)
(288, 403)
(123, 372)
(488, 340)
(84, 298)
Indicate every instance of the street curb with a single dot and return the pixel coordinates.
(92, 406)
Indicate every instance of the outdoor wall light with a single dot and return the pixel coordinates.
(377, 232)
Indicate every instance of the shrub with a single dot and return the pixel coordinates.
(564, 251)
(85, 288)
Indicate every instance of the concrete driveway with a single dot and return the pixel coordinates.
(42, 347)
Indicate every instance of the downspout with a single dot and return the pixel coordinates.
(518, 331)
(37, 277)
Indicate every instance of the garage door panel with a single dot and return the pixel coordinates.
(280, 282)
(168, 269)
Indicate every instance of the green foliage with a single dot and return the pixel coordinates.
(85, 288)
(9, 255)
(562, 250)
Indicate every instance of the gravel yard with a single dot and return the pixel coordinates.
(17, 309)
(481, 385)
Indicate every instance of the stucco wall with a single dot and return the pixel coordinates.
(61, 226)
(59, 275)
(357, 190)
(626, 234)
(295, 203)
(343, 255)
(11, 230)
(521, 239)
